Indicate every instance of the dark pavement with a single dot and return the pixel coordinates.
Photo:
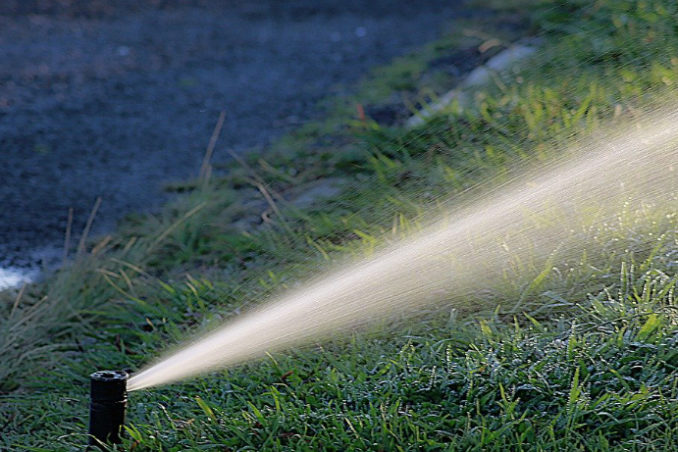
(97, 100)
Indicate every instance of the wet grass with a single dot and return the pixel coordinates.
(579, 354)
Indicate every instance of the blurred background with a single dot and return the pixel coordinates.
(114, 99)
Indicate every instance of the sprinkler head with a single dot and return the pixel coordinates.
(107, 406)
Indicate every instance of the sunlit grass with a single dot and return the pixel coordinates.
(579, 354)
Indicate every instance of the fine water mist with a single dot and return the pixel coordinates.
(461, 254)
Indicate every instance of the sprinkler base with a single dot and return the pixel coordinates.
(107, 406)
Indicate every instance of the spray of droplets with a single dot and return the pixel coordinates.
(462, 253)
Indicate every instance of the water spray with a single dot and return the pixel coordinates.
(107, 407)
(467, 250)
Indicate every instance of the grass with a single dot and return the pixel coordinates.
(587, 360)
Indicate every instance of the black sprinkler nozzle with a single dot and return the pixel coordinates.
(107, 406)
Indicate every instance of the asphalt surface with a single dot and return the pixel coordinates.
(114, 101)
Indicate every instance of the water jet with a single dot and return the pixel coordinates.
(108, 401)
(465, 250)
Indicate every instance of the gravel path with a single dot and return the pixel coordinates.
(113, 101)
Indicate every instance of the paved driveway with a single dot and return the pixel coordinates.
(114, 101)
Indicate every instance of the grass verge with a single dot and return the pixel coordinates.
(589, 360)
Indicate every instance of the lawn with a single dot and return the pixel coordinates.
(577, 352)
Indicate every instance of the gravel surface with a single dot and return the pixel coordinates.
(113, 99)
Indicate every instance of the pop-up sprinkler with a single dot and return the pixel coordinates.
(107, 406)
